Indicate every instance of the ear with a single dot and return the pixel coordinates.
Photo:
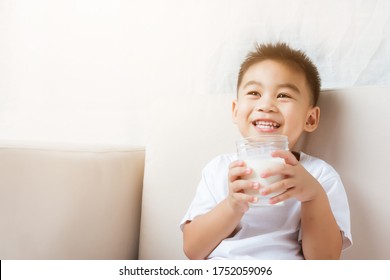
(312, 119)
(234, 111)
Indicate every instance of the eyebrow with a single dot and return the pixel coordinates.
(285, 85)
(290, 86)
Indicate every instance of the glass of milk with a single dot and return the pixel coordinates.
(256, 153)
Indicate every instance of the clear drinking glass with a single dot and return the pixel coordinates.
(256, 153)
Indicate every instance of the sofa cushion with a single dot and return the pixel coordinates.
(185, 132)
(354, 136)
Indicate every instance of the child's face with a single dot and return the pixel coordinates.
(274, 98)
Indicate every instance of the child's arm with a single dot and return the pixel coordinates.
(321, 236)
(205, 232)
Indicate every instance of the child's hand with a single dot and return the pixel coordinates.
(297, 182)
(237, 199)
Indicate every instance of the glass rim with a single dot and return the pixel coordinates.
(275, 137)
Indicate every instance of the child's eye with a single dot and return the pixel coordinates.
(253, 93)
(283, 95)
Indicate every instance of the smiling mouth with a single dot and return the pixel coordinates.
(266, 124)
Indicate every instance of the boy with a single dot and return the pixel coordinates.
(277, 92)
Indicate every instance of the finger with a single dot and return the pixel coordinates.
(278, 187)
(238, 172)
(242, 197)
(237, 163)
(288, 157)
(240, 186)
(289, 193)
(279, 169)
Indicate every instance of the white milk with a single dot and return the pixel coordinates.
(258, 165)
(256, 152)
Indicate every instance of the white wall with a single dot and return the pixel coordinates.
(85, 71)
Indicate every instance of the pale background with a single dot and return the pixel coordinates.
(87, 71)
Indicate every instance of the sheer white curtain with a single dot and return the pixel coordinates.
(86, 70)
(348, 40)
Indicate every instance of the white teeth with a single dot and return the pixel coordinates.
(267, 124)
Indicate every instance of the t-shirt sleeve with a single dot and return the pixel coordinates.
(334, 188)
(340, 207)
(206, 196)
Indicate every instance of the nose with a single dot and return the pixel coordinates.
(266, 104)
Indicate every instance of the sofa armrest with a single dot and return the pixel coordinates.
(70, 203)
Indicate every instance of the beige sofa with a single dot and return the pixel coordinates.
(61, 202)
(58, 203)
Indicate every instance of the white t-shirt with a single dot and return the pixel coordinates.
(267, 232)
